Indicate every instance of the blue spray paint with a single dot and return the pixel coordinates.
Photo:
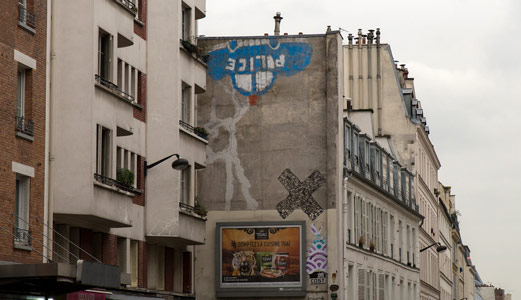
(254, 69)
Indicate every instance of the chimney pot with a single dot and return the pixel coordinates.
(285, 33)
(277, 18)
(300, 33)
(265, 34)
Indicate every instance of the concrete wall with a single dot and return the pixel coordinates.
(272, 107)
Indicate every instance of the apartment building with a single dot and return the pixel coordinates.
(445, 229)
(273, 183)
(381, 217)
(22, 134)
(125, 77)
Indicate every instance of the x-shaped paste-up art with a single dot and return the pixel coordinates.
(300, 194)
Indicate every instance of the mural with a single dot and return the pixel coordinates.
(254, 68)
(229, 154)
(300, 194)
(316, 263)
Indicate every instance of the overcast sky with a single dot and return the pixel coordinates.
(462, 54)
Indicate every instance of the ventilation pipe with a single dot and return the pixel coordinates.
(277, 18)
(370, 36)
(350, 61)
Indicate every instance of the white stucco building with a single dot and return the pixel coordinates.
(125, 76)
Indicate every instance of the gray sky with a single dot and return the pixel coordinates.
(462, 56)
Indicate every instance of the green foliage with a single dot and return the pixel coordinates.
(125, 177)
(201, 131)
(200, 210)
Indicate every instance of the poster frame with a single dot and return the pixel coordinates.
(260, 291)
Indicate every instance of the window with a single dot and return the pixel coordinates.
(185, 186)
(126, 160)
(103, 151)
(20, 94)
(185, 19)
(134, 263)
(21, 230)
(104, 54)
(187, 272)
(24, 124)
(185, 104)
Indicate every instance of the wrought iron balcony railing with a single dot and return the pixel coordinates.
(24, 17)
(114, 88)
(22, 237)
(112, 182)
(24, 126)
(199, 131)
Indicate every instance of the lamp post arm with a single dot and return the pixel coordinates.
(421, 250)
(147, 166)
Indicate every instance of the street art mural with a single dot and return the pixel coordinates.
(316, 263)
(300, 194)
(254, 68)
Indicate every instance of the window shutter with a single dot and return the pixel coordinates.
(361, 284)
(381, 287)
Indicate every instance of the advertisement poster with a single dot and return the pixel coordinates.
(261, 256)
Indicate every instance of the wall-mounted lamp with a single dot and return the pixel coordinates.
(178, 164)
(439, 248)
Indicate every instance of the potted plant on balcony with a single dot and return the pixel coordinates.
(201, 131)
(371, 246)
(361, 241)
(125, 177)
(200, 209)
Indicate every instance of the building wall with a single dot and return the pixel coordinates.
(22, 46)
(285, 124)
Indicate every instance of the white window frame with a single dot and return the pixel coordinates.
(103, 148)
(107, 56)
(186, 104)
(185, 192)
(22, 211)
(186, 18)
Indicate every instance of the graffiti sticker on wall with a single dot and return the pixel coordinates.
(254, 68)
(300, 194)
(316, 263)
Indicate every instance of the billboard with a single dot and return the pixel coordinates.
(260, 259)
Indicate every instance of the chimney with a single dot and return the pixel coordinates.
(328, 28)
(277, 18)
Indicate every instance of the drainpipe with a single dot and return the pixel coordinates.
(378, 82)
(350, 53)
(370, 69)
(47, 107)
(51, 56)
(360, 78)
(277, 18)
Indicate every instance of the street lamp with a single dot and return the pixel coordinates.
(439, 248)
(178, 164)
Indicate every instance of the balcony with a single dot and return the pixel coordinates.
(190, 229)
(192, 143)
(115, 90)
(22, 238)
(26, 20)
(24, 128)
(116, 184)
(128, 5)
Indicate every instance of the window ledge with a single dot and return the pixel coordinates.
(118, 95)
(139, 22)
(115, 189)
(26, 28)
(24, 136)
(192, 214)
(186, 131)
(22, 247)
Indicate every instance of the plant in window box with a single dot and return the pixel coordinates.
(361, 241)
(125, 177)
(200, 209)
(201, 131)
(371, 246)
(190, 45)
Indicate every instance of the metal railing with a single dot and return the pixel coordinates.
(24, 17)
(186, 207)
(22, 237)
(195, 130)
(24, 126)
(129, 4)
(113, 87)
(112, 182)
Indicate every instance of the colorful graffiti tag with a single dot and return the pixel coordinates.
(317, 253)
(254, 68)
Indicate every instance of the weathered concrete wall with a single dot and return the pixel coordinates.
(273, 111)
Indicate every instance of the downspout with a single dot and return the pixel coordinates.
(378, 82)
(350, 51)
(51, 131)
(46, 189)
(360, 78)
(369, 69)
